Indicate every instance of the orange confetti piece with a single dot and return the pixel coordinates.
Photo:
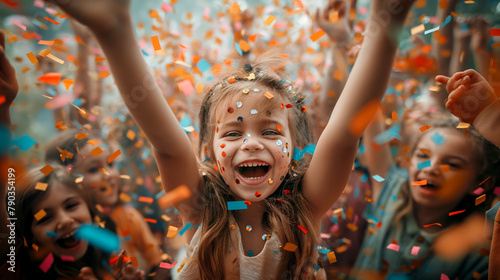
(40, 214)
(269, 95)
(424, 127)
(25, 69)
(199, 88)
(47, 43)
(156, 43)
(47, 169)
(99, 59)
(420, 4)
(152, 221)
(244, 45)
(32, 57)
(290, 247)
(51, 78)
(41, 186)
(283, 55)
(145, 199)
(130, 135)
(331, 257)
(114, 155)
(182, 46)
(278, 127)
(79, 40)
(67, 83)
(269, 20)
(61, 126)
(303, 229)
(320, 33)
(394, 116)
(252, 38)
(51, 20)
(56, 59)
(480, 199)
(93, 142)
(434, 224)
(172, 232)
(81, 136)
(103, 74)
(97, 151)
(174, 196)
(338, 75)
(456, 212)
(361, 119)
(419, 183)
(444, 167)
(153, 14)
(12, 39)
(125, 198)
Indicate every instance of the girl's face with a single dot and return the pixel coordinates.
(65, 212)
(253, 146)
(100, 178)
(452, 173)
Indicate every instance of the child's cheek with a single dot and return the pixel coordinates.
(283, 155)
(221, 155)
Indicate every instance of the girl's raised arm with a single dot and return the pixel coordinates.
(334, 156)
(111, 23)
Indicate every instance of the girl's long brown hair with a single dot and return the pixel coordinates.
(284, 213)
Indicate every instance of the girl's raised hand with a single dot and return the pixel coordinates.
(124, 270)
(100, 16)
(8, 81)
(469, 93)
(334, 20)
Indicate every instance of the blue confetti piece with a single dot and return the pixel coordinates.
(464, 27)
(250, 253)
(309, 149)
(446, 21)
(373, 218)
(51, 91)
(238, 48)
(203, 65)
(100, 238)
(324, 251)
(78, 102)
(316, 267)
(236, 205)
(431, 30)
(196, 226)
(378, 178)
(51, 234)
(144, 52)
(127, 238)
(356, 192)
(25, 142)
(162, 192)
(364, 178)
(297, 154)
(185, 228)
(5, 136)
(437, 138)
(423, 164)
(361, 149)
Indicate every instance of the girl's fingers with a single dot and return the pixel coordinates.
(442, 79)
(457, 80)
(457, 93)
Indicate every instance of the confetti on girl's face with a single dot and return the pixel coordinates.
(246, 91)
(279, 142)
(239, 104)
(230, 110)
(248, 228)
(240, 119)
(255, 90)
(253, 112)
(257, 194)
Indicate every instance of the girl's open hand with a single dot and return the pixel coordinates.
(8, 81)
(469, 93)
(86, 273)
(124, 270)
(99, 15)
(334, 20)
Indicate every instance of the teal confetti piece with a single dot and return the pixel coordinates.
(437, 138)
(431, 30)
(24, 142)
(157, 196)
(5, 136)
(51, 234)
(100, 238)
(423, 164)
(203, 65)
(238, 48)
(236, 205)
(185, 228)
(446, 21)
(378, 178)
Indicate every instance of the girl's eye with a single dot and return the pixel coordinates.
(453, 165)
(72, 205)
(45, 218)
(422, 155)
(94, 170)
(270, 132)
(232, 134)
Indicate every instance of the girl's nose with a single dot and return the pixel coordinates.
(65, 221)
(431, 166)
(252, 145)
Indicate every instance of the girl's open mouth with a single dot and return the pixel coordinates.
(68, 241)
(253, 171)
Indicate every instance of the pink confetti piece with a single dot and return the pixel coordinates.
(394, 247)
(166, 7)
(18, 24)
(444, 277)
(496, 191)
(186, 86)
(167, 265)
(414, 250)
(67, 258)
(478, 191)
(47, 263)
(38, 4)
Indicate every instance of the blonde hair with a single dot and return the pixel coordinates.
(284, 213)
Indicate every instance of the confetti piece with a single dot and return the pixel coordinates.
(431, 30)
(41, 186)
(151, 221)
(51, 78)
(100, 238)
(172, 231)
(185, 228)
(47, 169)
(97, 151)
(455, 213)
(174, 196)
(446, 21)
(40, 214)
(60, 125)
(125, 197)
(394, 116)
(17, 23)
(437, 138)
(417, 29)
(394, 247)
(167, 265)
(114, 155)
(67, 83)
(44, 53)
(115, 259)
(414, 250)
(485, 180)
(47, 263)
(244, 45)
(204, 66)
(156, 43)
(423, 164)
(32, 57)
(268, 21)
(236, 205)
(186, 87)
(480, 199)
(463, 125)
(24, 142)
(424, 128)
(320, 33)
(199, 88)
(51, 20)
(433, 224)
(145, 199)
(66, 258)
(494, 32)
(47, 43)
(476, 275)
(361, 119)
(290, 247)
(338, 75)
(331, 257)
(378, 178)
(51, 234)
(419, 183)
(303, 229)
(81, 136)
(478, 191)
(444, 277)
